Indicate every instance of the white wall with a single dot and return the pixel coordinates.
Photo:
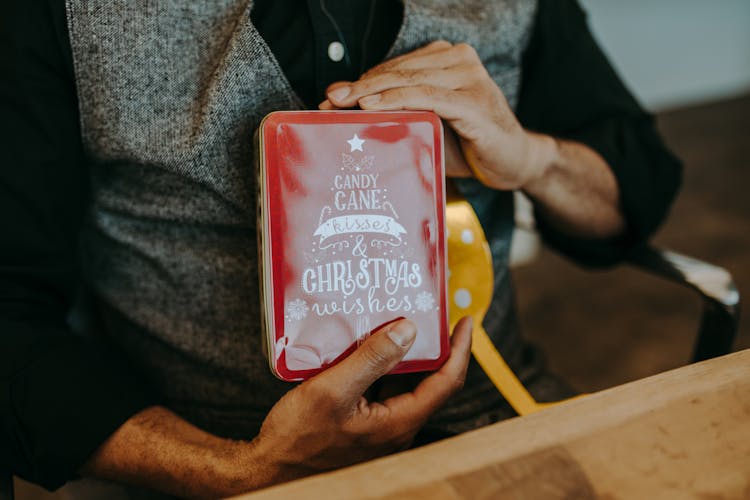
(676, 52)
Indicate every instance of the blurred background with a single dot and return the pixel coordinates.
(688, 61)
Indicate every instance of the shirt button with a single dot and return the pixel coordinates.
(335, 51)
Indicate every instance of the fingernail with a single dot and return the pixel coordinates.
(339, 93)
(402, 333)
(370, 100)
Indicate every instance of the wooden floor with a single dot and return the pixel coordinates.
(602, 329)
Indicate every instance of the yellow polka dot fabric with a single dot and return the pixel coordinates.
(470, 280)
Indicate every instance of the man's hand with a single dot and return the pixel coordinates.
(452, 81)
(571, 184)
(327, 422)
(322, 424)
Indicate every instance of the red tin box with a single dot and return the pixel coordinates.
(351, 235)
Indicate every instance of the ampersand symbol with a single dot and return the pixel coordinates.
(360, 248)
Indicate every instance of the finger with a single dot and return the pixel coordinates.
(326, 106)
(377, 356)
(431, 48)
(456, 77)
(436, 56)
(412, 409)
(445, 57)
(455, 163)
(435, 47)
(455, 106)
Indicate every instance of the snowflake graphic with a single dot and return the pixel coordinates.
(297, 309)
(425, 301)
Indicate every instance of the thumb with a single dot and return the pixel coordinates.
(377, 356)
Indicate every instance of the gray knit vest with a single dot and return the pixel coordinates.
(170, 93)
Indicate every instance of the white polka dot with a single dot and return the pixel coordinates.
(448, 274)
(462, 298)
(447, 232)
(467, 236)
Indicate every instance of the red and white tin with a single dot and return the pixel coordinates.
(351, 235)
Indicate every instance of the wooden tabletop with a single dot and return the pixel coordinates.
(680, 434)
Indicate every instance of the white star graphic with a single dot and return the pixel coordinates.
(355, 143)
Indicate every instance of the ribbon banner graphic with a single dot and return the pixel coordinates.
(365, 223)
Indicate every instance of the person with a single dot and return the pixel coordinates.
(130, 347)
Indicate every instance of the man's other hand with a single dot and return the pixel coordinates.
(452, 81)
(571, 185)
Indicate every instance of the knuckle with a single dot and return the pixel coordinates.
(402, 93)
(441, 44)
(430, 91)
(374, 357)
(404, 75)
(373, 75)
(465, 51)
(477, 71)
(377, 79)
(458, 382)
(319, 394)
(372, 72)
(362, 86)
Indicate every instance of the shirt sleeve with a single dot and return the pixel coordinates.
(61, 394)
(569, 90)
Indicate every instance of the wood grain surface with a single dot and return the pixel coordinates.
(680, 434)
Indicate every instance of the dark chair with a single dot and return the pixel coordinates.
(721, 299)
(719, 321)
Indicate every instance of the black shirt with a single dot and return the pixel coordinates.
(62, 394)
